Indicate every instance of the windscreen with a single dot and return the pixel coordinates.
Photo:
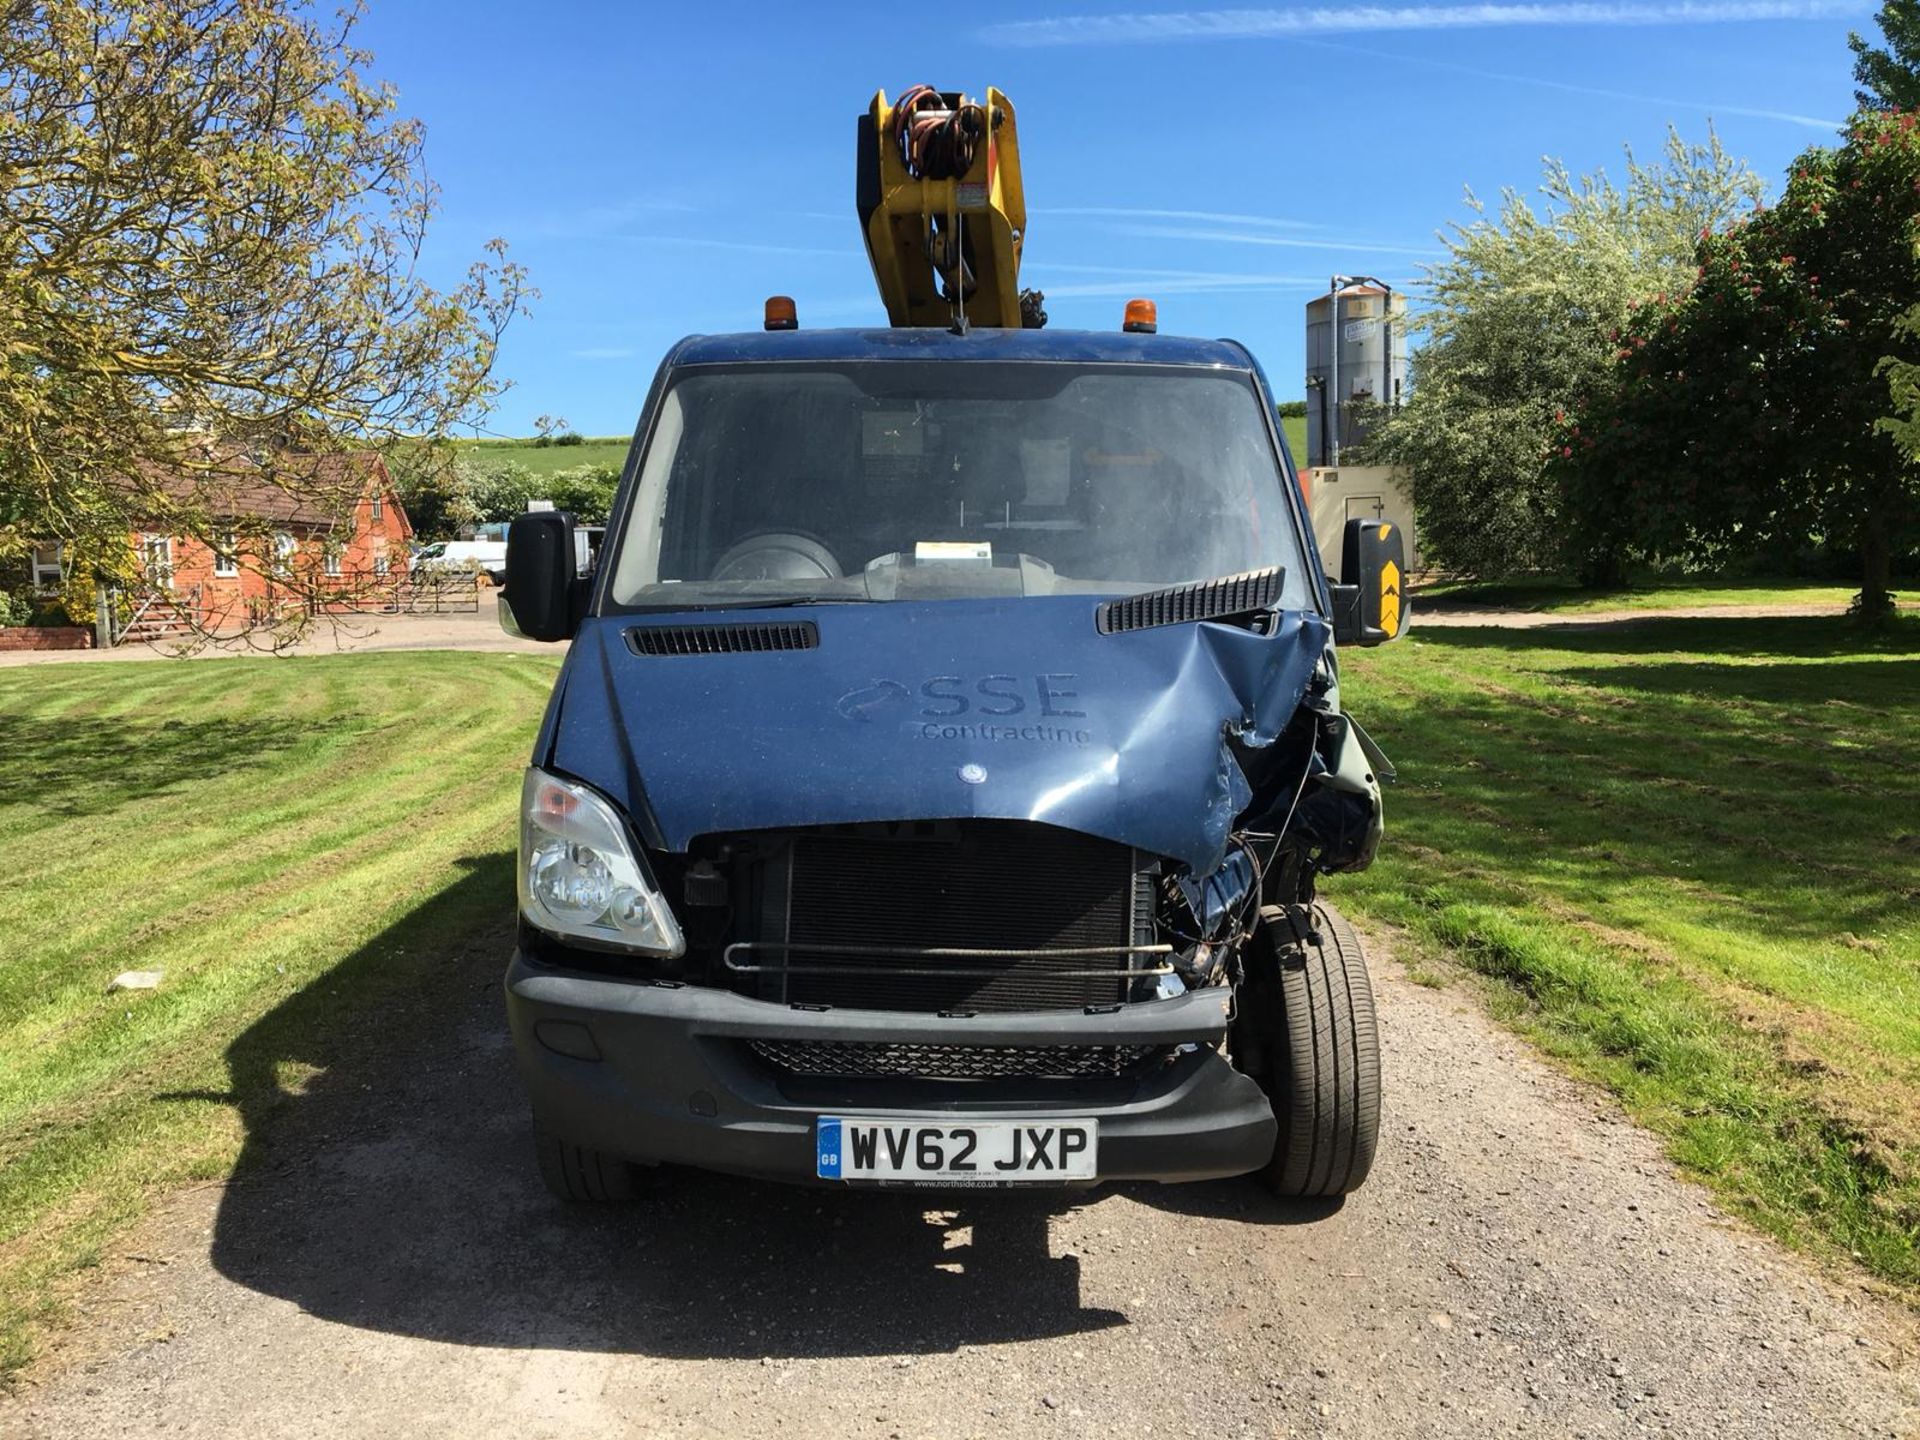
(904, 480)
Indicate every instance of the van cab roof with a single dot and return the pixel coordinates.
(1110, 347)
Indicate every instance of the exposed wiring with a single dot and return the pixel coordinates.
(1240, 922)
(936, 142)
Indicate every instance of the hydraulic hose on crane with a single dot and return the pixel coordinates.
(942, 210)
(936, 141)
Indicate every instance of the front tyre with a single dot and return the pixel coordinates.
(1323, 1053)
(579, 1175)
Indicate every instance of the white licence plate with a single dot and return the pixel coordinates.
(957, 1152)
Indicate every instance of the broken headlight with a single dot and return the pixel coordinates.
(580, 874)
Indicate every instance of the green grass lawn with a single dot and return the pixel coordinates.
(1295, 427)
(1685, 857)
(606, 450)
(1563, 597)
(246, 826)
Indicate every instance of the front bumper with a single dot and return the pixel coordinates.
(658, 1072)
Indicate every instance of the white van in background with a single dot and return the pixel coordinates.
(489, 556)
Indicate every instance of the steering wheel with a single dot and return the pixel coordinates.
(778, 555)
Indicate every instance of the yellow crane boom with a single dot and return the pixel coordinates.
(942, 209)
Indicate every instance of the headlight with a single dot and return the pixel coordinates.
(580, 875)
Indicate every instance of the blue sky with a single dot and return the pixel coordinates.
(663, 168)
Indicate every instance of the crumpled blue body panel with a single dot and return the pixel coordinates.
(1008, 709)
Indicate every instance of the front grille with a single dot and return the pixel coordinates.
(997, 890)
(849, 1059)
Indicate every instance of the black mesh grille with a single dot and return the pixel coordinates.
(1231, 595)
(722, 639)
(870, 1060)
(982, 885)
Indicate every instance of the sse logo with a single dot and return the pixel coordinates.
(947, 697)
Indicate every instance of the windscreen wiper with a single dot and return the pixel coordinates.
(770, 602)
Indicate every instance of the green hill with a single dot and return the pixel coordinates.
(611, 450)
(607, 450)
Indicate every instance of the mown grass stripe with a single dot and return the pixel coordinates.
(249, 827)
(1685, 856)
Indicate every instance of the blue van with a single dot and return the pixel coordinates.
(940, 777)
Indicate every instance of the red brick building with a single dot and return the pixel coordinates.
(321, 533)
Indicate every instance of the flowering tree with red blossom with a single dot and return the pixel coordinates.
(1751, 407)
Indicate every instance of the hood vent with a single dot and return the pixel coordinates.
(722, 639)
(1229, 598)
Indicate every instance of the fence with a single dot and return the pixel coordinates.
(423, 592)
(160, 612)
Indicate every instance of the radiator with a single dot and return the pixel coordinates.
(867, 905)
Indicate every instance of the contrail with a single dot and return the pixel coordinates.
(1203, 217)
(1787, 117)
(1288, 242)
(1375, 19)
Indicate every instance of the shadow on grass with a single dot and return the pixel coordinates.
(1789, 637)
(1887, 685)
(395, 1190)
(94, 767)
(1783, 794)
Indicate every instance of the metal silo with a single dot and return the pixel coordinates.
(1356, 360)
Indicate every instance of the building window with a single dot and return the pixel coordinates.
(380, 562)
(284, 548)
(378, 509)
(331, 560)
(47, 573)
(156, 558)
(226, 556)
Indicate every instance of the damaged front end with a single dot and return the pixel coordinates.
(1080, 813)
(1214, 747)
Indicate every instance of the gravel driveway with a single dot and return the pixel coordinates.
(1522, 1262)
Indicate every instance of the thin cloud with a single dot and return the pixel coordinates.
(593, 222)
(1130, 212)
(1254, 24)
(1201, 217)
(1223, 285)
(705, 242)
(1183, 285)
(1149, 272)
(1117, 282)
(1428, 62)
(1137, 279)
(1130, 280)
(1289, 242)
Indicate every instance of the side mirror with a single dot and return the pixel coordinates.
(1369, 605)
(542, 592)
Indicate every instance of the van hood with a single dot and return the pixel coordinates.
(1014, 709)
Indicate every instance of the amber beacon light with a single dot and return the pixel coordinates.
(781, 314)
(1142, 318)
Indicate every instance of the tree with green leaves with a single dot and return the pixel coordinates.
(211, 221)
(1889, 78)
(473, 492)
(1749, 407)
(1518, 323)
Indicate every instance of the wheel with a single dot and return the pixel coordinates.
(1322, 1051)
(582, 1176)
